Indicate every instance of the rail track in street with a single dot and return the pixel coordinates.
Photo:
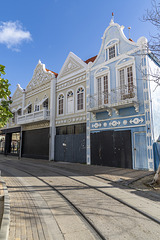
(75, 189)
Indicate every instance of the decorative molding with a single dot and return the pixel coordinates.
(96, 125)
(72, 66)
(118, 123)
(36, 126)
(38, 90)
(71, 120)
(114, 123)
(40, 76)
(136, 121)
(70, 82)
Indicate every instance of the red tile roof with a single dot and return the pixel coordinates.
(56, 74)
(92, 59)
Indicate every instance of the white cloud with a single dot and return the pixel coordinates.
(12, 34)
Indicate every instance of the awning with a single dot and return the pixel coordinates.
(27, 106)
(13, 110)
(19, 107)
(43, 100)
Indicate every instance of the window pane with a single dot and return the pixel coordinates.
(60, 107)
(70, 129)
(99, 91)
(111, 52)
(105, 82)
(80, 96)
(61, 130)
(130, 79)
(122, 83)
(80, 128)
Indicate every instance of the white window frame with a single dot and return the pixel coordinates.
(101, 75)
(81, 110)
(110, 44)
(124, 65)
(70, 90)
(36, 107)
(58, 104)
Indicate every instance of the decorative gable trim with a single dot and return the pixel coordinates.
(72, 65)
(41, 76)
(18, 92)
(120, 29)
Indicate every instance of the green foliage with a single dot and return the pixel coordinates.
(5, 100)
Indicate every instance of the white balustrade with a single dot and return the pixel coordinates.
(34, 117)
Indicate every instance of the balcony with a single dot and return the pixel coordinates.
(118, 98)
(34, 117)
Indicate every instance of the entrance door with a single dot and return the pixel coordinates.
(70, 106)
(111, 148)
(102, 148)
(140, 153)
(122, 149)
(70, 148)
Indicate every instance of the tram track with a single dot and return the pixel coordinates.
(70, 175)
(95, 188)
(92, 228)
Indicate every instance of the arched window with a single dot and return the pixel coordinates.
(60, 104)
(70, 102)
(80, 98)
(45, 104)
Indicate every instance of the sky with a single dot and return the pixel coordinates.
(47, 30)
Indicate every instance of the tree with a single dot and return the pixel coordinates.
(5, 100)
(153, 16)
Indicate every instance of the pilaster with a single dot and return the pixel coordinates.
(52, 118)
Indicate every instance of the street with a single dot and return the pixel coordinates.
(50, 200)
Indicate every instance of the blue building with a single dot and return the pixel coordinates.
(122, 110)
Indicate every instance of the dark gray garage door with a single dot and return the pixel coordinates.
(111, 148)
(70, 148)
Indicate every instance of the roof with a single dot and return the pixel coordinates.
(92, 59)
(56, 74)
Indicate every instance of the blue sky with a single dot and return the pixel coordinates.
(48, 30)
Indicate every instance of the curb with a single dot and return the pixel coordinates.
(4, 230)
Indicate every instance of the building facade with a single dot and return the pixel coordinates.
(100, 111)
(28, 133)
(119, 101)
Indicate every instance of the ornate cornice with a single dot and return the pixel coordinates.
(36, 126)
(40, 77)
(71, 82)
(71, 120)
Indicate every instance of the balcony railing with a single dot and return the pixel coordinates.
(34, 117)
(116, 99)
